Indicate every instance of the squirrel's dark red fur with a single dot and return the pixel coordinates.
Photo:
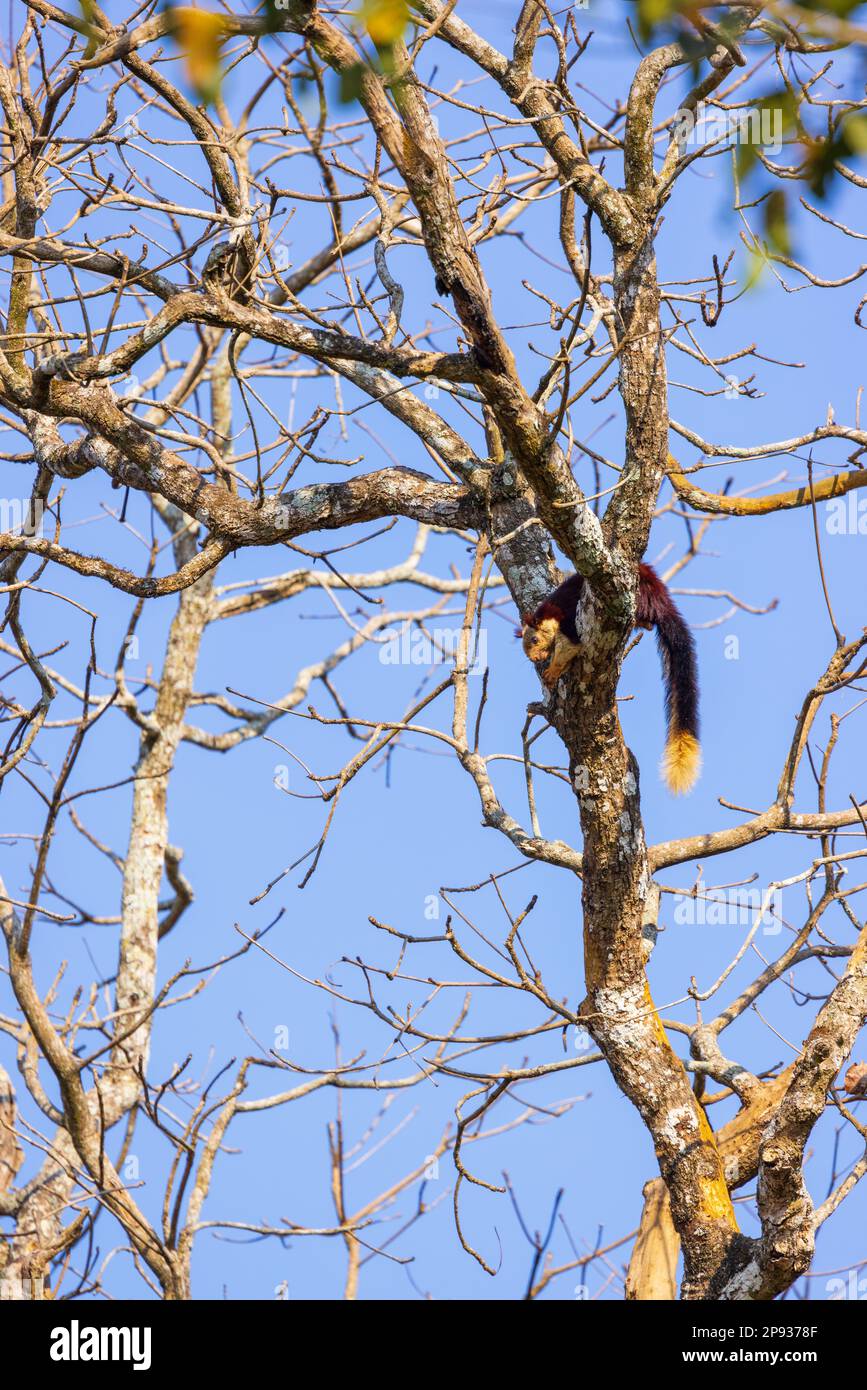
(550, 634)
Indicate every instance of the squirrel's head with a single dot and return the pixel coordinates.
(538, 636)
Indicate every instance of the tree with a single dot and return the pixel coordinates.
(112, 336)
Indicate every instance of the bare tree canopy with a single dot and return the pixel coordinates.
(334, 338)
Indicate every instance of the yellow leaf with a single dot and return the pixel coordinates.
(855, 134)
(201, 34)
(384, 20)
(88, 26)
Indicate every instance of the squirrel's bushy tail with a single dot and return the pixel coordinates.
(681, 761)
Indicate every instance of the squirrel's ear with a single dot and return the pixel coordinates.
(527, 620)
